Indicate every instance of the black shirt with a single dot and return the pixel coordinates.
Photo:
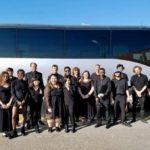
(102, 86)
(19, 90)
(119, 87)
(38, 75)
(69, 95)
(139, 81)
(94, 77)
(125, 76)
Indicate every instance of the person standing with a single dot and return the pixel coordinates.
(19, 91)
(121, 68)
(120, 95)
(54, 70)
(69, 101)
(53, 95)
(5, 104)
(102, 91)
(28, 78)
(95, 75)
(86, 89)
(77, 77)
(139, 83)
(36, 95)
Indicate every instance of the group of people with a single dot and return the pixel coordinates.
(71, 97)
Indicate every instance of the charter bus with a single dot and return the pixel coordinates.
(81, 46)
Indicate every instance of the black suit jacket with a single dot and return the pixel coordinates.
(30, 75)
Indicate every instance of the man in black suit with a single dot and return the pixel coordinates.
(34, 74)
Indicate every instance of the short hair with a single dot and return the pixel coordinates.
(67, 67)
(120, 65)
(137, 67)
(10, 69)
(33, 63)
(54, 65)
(102, 69)
(21, 70)
(98, 65)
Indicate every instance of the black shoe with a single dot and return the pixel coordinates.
(58, 129)
(73, 130)
(13, 134)
(108, 126)
(41, 122)
(66, 129)
(37, 130)
(126, 124)
(132, 121)
(97, 125)
(23, 131)
(50, 130)
(28, 125)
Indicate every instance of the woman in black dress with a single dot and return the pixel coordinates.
(36, 98)
(5, 104)
(86, 89)
(19, 91)
(69, 100)
(53, 96)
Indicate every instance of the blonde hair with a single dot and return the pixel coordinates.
(1, 78)
(75, 69)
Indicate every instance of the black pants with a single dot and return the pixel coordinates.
(103, 105)
(141, 101)
(120, 101)
(69, 113)
(35, 112)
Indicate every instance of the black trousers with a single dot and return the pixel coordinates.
(120, 101)
(70, 113)
(35, 112)
(141, 101)
(103, 105)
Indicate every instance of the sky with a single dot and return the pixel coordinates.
(76, 12)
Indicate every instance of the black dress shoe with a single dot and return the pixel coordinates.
(97, 125)
(13, 134)
(108, 126)
(41, 122)
(23, 131)
(73, 130)
(37, 130)
(58, 129)
(126, 124)
(132, 121)
(50, 130)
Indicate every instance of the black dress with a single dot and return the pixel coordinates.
(87, 105)
(56, 102)
(5, 114)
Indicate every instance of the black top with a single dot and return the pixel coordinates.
(94, 77)
(73, 80)
(19, 90)
(139, 81)
(85, 87)
(125, 76)
(30, 75)
(119, 87)
(69, 95)
(102, 86)
(5, 94)
(59, 76)
(36, 96)
(12, 78)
